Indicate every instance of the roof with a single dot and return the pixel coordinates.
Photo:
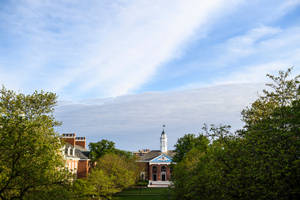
(80, 152)
(81, 155)
(153, 154)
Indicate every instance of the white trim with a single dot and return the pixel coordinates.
(160, 183)
(159, 163)
(71, 158)
(160, 155)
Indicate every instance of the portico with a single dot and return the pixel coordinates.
(156, 165)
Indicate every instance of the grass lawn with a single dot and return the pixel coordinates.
(143, 194)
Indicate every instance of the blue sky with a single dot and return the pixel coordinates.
(135, 56)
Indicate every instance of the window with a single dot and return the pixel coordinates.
(154, 169)
(163, 176)
(163, 168)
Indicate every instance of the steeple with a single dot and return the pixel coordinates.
(163, 141)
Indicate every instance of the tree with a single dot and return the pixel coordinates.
(201, 172)
(112, 174)
(262, 161)
(272, 146)
(30, 159)
(188, 142)
(272, 137)
(283, 92)
(99, 149)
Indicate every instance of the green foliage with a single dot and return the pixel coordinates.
(261, 161)
(82, 189)
(283, 92)
(99, 149)
(188, 142)
(141, 183)
(112, 174)
(30, 159)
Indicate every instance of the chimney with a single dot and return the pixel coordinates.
(69, 138)
(80, 141)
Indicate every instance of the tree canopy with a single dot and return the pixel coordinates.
(112, 174)
(187, 143)
(99, 149)
(260, 161)
(30, 159)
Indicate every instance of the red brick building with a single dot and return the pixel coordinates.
(155, 164)
(76, 155)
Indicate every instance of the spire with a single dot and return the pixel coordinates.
(163, 141)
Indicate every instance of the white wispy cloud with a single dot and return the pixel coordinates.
(249, 57)
(105, 46)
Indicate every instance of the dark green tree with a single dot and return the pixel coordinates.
(99, 149)
(260, 162)
(188, 142)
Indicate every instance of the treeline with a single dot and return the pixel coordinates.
(260, 161)
(31, 162)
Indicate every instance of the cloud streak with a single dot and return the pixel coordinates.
(247, 58)
(109, 47)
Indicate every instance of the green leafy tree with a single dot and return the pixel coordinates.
(188, 142)
(272, 146)
(30, 159)
(112, 174)
(283, 92)
(272, 137)
(260, 162)
(84, 189)
(99, 149)
(184, 174)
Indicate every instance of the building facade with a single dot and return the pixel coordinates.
(76, 155)
(155, 165)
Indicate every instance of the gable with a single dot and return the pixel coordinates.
(161, 159)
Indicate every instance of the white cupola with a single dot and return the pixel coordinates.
(163, 141)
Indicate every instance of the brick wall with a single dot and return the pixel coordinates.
(144, 167)
(158, 173)
(83, 168)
